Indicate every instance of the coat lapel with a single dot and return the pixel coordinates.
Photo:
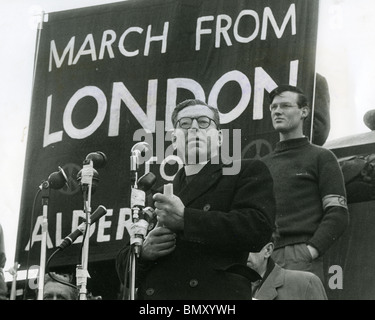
(268, 290)
(203, 181)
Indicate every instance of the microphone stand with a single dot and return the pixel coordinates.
(136, 212)
(82, 271)
(14, 272)
(42, 264)
(133, 254)
(55, 180)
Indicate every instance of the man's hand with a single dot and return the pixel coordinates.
(314, 253)
(158, 243)
(170, 211)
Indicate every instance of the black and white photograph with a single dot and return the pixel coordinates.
(187, 150)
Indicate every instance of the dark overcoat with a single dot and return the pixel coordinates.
(226, 216)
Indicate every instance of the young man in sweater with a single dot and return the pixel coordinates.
(309, 188)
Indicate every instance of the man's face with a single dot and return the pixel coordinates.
(258, 260)
(57, 291)
(286, 114)
(196, 144)
(255, 260)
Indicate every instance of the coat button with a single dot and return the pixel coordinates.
(150, 291)
(206, 207)
(193, 283)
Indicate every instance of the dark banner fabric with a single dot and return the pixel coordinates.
(349, 266)
(108, 77)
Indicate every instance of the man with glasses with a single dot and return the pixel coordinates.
(199, 247)
(309, 187)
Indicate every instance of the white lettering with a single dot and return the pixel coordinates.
(121, 46)
(102, 225)
(107, 44)
(236, 24)
(49, 138)
(244, 83)
(268, 15)
(223, 30)
(200, 31)
(89, 40)
(53, 54)
(38, 236)
(162, 38)
(124, 217)
(263, 81)
(101, 100)
(293, 73)
(121, 94)
(209, 309)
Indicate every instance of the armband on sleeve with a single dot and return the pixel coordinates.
(334, 200)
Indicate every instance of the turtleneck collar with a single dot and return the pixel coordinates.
(291, 144)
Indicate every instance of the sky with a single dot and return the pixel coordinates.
(345, 56)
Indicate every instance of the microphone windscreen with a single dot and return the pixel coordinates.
(98, 158)
(369, 119)
(146, 182)
(57, 179)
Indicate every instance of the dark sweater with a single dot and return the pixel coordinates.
(310, 194)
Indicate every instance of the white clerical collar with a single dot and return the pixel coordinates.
(192, 169)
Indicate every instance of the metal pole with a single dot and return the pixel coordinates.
(43, 249)
(14, 282)
(82, 270)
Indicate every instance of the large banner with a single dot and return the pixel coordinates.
(110, 76)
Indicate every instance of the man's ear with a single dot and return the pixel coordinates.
(174, 139)
(268, 249)
(305, 111)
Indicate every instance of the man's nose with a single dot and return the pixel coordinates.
(277, 109)
(194, 124)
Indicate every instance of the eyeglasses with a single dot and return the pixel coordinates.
(203, 122)
(283, 106)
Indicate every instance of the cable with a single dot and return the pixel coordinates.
(51, 274)
(126, 276)
(84, 189)
(30, 237)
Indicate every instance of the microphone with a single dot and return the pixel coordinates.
(56, 180)
(68, 240)
(141, 216)
(369, 119)
(98, 158)
(135, 151)
(150, 217)
(88, 175)
(93, 178)
(138, 194)
(146, 182)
